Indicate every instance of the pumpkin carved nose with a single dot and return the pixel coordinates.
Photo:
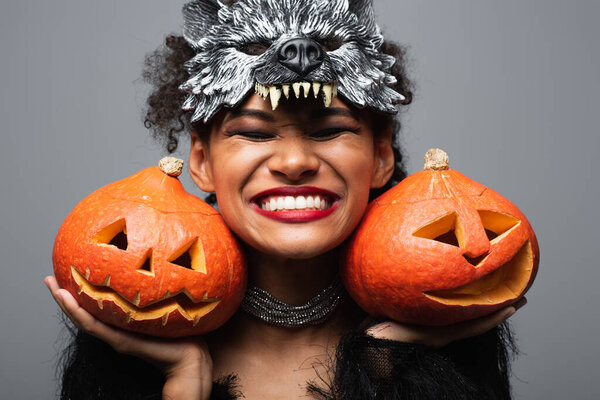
(474, 240)
(301, 55)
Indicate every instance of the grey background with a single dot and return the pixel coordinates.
(509, 88)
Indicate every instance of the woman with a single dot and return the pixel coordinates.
(292, 174)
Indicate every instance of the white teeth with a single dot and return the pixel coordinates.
(296, 86)
(290, 204)
(334, 90)
(275, 95)
(294, 203)
(300, 202)
(306, 87)
(327, 94)
(286, 90)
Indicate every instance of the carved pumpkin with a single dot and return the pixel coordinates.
(440, 248)
(144, 255)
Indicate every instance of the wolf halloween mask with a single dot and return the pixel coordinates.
(285, 48)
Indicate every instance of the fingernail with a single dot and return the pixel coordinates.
(46, 283)
(511, 311)
(520, 303)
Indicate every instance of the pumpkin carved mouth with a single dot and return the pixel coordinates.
(504, 284)
(183, 302)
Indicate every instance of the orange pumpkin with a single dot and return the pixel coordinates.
(144, 255)
(440, 248)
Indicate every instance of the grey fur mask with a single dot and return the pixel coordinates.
(276, 48)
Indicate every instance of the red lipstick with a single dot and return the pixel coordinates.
(296, 216)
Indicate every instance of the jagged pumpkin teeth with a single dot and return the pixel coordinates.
(316, 86)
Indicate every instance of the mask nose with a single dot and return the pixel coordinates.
(301, 55)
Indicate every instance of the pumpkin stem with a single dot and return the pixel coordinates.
(171, 166)
(436, 160)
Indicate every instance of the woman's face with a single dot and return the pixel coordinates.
(293, 182)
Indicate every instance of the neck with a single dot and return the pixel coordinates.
(294, 282)
(289, 280)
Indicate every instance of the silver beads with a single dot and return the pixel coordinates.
(261, 304)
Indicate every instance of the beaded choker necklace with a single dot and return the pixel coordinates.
(261, 304)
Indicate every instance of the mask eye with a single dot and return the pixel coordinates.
(331, 43)
(440, 230)
(114, 235)
(497, 225)
(253, 49)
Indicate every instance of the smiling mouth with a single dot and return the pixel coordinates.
(295, 204)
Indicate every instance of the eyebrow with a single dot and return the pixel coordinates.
(331, 111)
(243, 112)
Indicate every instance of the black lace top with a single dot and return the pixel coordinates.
(366, 368)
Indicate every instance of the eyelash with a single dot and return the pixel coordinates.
(322, 135)
(331, 133)
(256, 136)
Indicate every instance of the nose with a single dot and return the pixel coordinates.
(294, 160)
(301, 55)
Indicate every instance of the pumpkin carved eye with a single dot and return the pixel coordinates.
(497, 225)
(114, 235)
(190, 256)
(447, 229)
(441, 230)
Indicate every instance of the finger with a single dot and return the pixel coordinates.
(52, 284)
(520, 303)
(145, 347)
(481, 325)
(384, 330)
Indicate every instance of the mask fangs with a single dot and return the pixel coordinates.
(327, 90)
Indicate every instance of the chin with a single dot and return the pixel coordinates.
(299, 250)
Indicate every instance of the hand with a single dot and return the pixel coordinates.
(186, 362)
(440, 336)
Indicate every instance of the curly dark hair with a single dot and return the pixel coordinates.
(163, 70)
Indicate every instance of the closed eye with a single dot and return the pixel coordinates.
(328, 134)
(254, 136)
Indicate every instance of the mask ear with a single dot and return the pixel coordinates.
(199, 16)
(363, 9)
(384, 159)
(200, 166)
